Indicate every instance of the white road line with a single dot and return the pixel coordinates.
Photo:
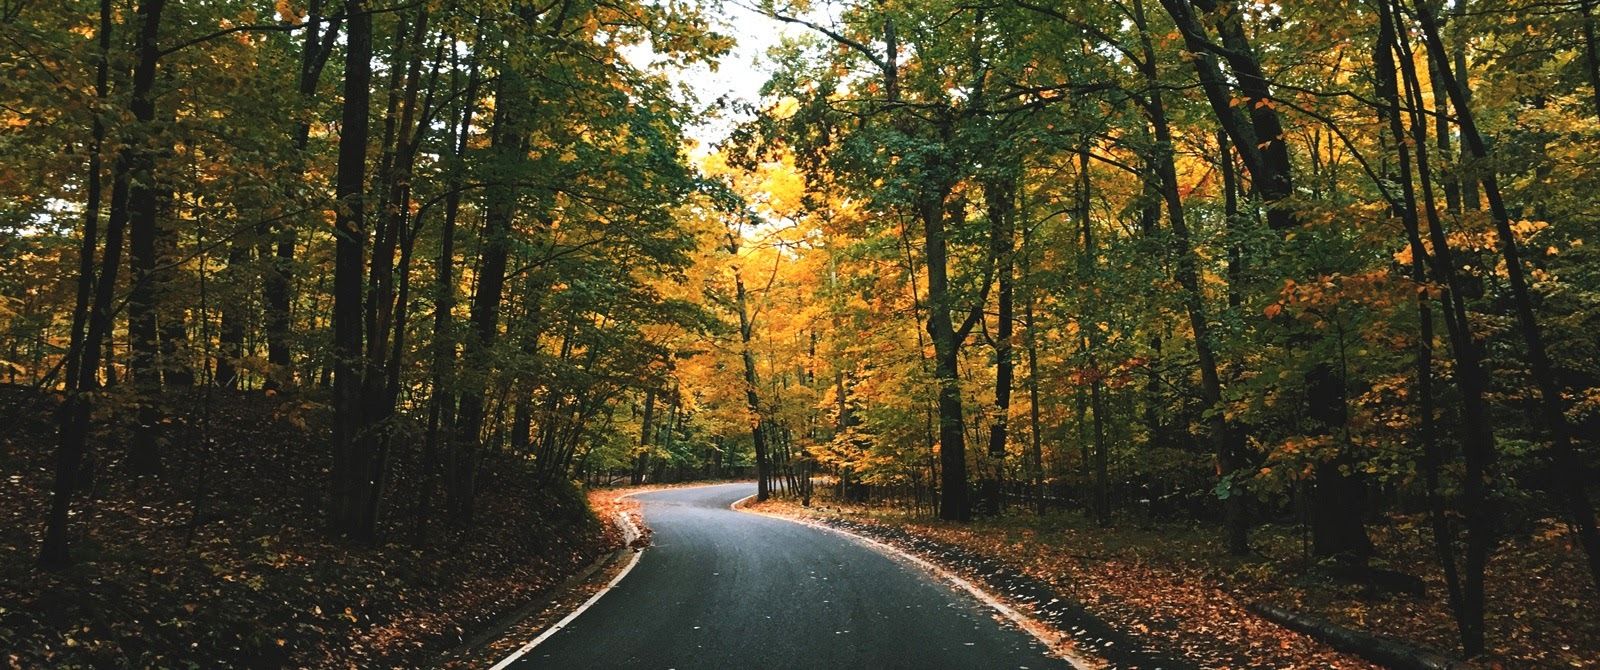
(1055, 642)
(630, 533)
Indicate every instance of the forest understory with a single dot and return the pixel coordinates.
(1166, 588)
(224, 561)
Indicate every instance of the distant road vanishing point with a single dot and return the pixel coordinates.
(727, 589)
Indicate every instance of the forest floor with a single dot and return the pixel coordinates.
(221, 560)
(1171, 589)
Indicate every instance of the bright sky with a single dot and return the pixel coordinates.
(740, 74)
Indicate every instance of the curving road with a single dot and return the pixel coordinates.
(726, 589)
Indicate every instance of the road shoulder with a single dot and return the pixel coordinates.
(516, 633)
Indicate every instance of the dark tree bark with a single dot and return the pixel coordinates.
(1231, 191)
(954, 500)
(1000, 197)
(143, 209)
(442, 399)
(84, 359)
(1406, 211)
(175, 366)
(1095, 462)
(1258, 136)
(387, 341)
(350, 232)
(509, 144)
(1035, 439)
(758, 430)
(279, 240)
(642, 456)
(1478, 448)
(1338, 496)
(1229, 441)
(1149, 223)
(232, 331)
(93, 186)
(1568, 468)
(531, 327)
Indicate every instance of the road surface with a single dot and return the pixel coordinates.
(726, 589)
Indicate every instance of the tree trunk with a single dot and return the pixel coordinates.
(1089, 324)
(1259, 137)
(442, 398)
(176, 368)
(758, 427)
(350, 364)
(72, 429)
(143, 208)
(1338, 496)
(1472, 378)
(1000, 197)
(231, 333)
(278, 280)
(1230, 444)
(508, 142)
(642, 456)
(954, 503)
(91, 217)
(1036, 440)
(1568, 469)
(1406, 211)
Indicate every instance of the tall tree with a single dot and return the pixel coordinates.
(351, 442)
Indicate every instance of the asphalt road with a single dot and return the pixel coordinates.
(726, 589)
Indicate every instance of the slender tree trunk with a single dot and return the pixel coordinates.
(509, 143)
(758, 427)
(91, 217)
(1406, 211)
(350, 232)
(1230, 444)
(1036, 440)
(1567, 468)
(1149, 222)
(143, 209)
(1089, 324)
(1102, 472)
(642, 456)
(954, 503)
(529, 332)
(442, 399)
(1001, 199)
(389, 349)
(278, 279)
(231, 334)
(176, 368)
(72, 430)
(1472, 378)
(1230, 213)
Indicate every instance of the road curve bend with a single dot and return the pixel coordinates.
(726, 589)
